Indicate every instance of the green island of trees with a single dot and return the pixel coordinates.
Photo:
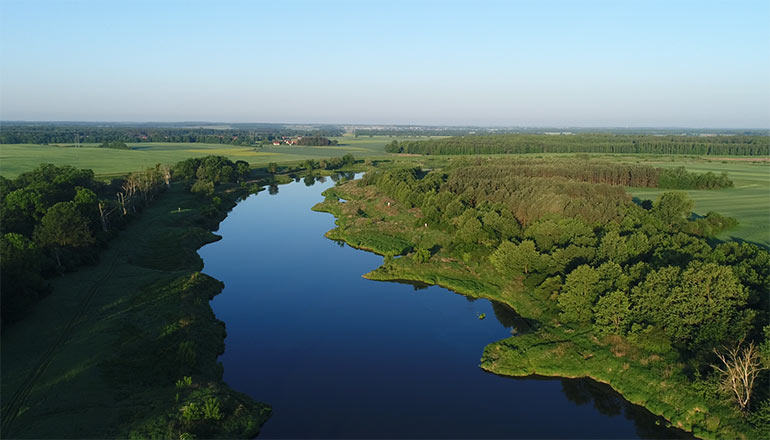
(637, 294)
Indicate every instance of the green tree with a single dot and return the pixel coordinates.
(612, 313)
(672, 208)
(243, 168)
(579, 294)
(513, 259)
(63, 226)
(703, 305)
(421, 255)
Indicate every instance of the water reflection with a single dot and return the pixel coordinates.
(608, 402)
(507, 317)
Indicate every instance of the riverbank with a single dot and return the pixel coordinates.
(656, 381)
(129, 347)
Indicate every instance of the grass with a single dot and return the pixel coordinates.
(18, 158)
(748, 201)
(101, 356)
(657, 381)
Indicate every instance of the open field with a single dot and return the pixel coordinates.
(18, 158)
(748, 201)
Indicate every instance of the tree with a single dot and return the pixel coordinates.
(705, 304)
(740, 367)
(673, 207)
(579, 294)
(421, 255)
(243, 168)
(272, 168)
(513, 259)
(612, 312)
(63, 226)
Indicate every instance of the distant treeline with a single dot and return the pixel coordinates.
(59, 134)
(416, 132)
(594, 171)
(736, 145)
(315, 141)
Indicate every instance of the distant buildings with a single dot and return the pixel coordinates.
(287, 141)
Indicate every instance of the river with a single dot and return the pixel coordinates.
(337, 355)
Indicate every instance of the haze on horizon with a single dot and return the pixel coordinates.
(522, 63)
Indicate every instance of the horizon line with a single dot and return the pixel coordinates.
(626, 127)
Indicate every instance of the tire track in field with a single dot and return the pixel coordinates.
(20, 396)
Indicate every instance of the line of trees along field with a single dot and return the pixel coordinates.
(647, 272)
(56, 218)
(58, 134)
(596, 171)
(735, 145)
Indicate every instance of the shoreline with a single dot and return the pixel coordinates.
(647, 380)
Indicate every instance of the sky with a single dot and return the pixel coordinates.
(508, 63)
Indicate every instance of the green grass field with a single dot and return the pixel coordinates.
(18, 158)
(748, 201)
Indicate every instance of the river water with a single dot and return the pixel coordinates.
(337, 355)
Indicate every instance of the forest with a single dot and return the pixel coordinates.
(649, 274)
(732, 145)
(72, 134)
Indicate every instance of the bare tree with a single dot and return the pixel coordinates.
(740, 367)
(165, 171)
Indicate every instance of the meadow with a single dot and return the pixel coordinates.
(748, 201)
(18, 158)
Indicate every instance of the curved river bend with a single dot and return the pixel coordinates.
(337, 355)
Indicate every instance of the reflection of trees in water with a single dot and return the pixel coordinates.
(418, 285)
(507, 317)
(309, 180)
(272, 189)
(320, 179)
(608, 402)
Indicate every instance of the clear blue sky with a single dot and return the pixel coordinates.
(557, 63)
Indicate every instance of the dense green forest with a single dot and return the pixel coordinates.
(647, 273)
(71, 134)
(735, 145)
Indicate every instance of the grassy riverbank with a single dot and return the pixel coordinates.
(369, 220)
(128, 347)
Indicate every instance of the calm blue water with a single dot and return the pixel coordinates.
(337, 355)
